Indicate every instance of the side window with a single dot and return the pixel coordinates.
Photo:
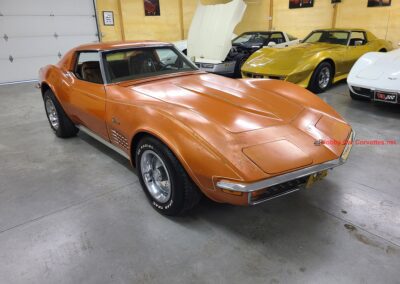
(358, 38)
(314, 37)
(277, 38)
(87, 67)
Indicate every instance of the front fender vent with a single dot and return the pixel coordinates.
(119, 139)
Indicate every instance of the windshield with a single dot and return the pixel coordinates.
(254, 38)
(333, 37)
(124, 65)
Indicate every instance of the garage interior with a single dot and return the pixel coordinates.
(73, 211)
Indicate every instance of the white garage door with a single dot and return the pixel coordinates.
(34, 33)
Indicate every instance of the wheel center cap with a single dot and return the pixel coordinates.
(157, 175)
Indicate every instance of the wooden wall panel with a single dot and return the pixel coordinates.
(300, 22)
(109, 33)
(176, 16)
(137, 26)
(382, 21)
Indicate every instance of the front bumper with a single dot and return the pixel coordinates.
(218, 68)
(287, 183)
(369, 93)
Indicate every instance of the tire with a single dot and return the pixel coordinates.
(319, 83)
(356, 97)
(60, 123)
(157, 167)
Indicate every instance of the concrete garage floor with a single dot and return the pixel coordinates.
(72, 211)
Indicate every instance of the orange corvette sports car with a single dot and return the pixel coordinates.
(190, 133)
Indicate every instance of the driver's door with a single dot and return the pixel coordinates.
(86, 96)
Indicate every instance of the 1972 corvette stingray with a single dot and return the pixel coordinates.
(188, 132)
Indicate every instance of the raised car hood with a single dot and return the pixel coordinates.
(386, 67)
(210, 33)
(232, 105)
(282, 61)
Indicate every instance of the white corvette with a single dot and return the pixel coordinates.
(376, 77)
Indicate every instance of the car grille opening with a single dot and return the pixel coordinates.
(277, 77)
(261, 76)
(278, 190)
(364, 92)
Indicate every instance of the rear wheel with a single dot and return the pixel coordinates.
(60, 123)
(165, 182)
(322, 78)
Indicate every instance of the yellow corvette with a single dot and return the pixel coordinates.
(324, 57)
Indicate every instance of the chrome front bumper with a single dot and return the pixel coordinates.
(250, 187)
(286, 179)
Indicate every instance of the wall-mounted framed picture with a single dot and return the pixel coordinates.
(294, 4)
(151, 7)
(379, 3)
(108, 18)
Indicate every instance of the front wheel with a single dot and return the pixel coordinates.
(322, 78)
(165, 182)
(60, 123)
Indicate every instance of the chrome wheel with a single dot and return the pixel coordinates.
(324, 77)
(155, 176)
(52, 113)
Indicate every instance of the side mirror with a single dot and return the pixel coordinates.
(271, 43)
(300, 41)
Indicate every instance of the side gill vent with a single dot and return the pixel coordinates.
(118, 139)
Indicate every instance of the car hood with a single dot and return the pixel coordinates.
(210, 33)
(386, 67)
(230, 104)
(282, 61)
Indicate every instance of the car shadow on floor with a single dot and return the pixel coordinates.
(279, 212)
(105, 150)
(378, 108)
(285, 229)
(281, 228)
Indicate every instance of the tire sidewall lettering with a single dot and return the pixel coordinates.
(139, 152)
(163, 207)
(144, 147)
